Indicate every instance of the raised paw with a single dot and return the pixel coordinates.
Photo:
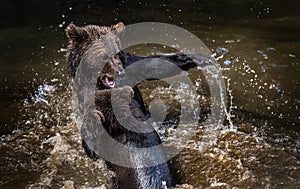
(99, 115)
(129, 91)
(122, 96)
(94, 117)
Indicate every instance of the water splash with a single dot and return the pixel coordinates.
(43, 92)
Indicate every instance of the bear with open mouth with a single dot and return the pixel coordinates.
(86, 45)
(95, 62)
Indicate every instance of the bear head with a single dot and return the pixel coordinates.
(96, 49)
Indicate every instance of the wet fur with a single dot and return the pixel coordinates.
(81, 40)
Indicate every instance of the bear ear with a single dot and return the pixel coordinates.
(119, 27)
(76, 34)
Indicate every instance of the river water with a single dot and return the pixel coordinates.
(256, 44)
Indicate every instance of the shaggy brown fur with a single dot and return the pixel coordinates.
(82, 38)
(96, 50)
(90, 47)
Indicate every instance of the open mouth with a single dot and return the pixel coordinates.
(109, 82)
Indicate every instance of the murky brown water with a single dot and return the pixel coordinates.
(40, 142)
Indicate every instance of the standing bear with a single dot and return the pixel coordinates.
(114, 116)
(94, 66)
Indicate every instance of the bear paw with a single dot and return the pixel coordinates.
(129, 91)
(122, 96)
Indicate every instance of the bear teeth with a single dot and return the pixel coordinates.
(110, 82)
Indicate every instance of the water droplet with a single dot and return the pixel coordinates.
(227, 62)
(271, 49)
(292, 55)
(62, 49)
(62, 24)
(277, 88)
(222, 50)
(229, 41)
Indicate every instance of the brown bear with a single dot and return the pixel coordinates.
(87, 44)
(95, 63)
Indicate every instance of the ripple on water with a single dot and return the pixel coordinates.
(237, 160)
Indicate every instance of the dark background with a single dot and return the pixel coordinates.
(23, 13)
